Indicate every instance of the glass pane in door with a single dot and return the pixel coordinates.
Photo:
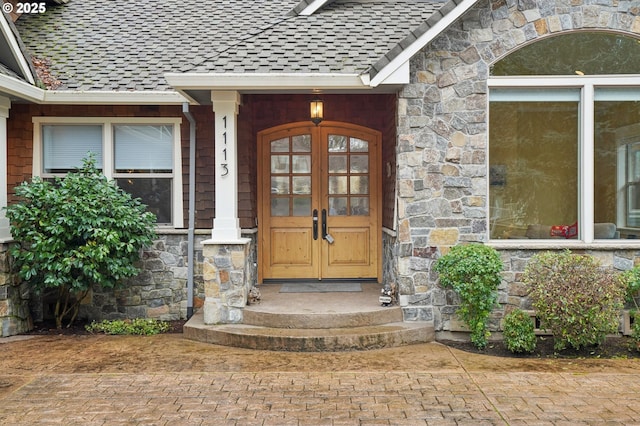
(348, 176)
(291, 176)
(280, 145)
(301, 143)
(302, 206)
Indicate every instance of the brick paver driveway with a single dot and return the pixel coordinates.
(166, 380)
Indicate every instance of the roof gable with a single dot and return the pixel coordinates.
(12, 56)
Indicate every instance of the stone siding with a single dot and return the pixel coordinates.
(14, 299)
(442, 142)
(160, 290)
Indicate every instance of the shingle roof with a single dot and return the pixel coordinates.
(129, 45)
(343, 37)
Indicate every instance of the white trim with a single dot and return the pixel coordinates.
(564, 81)
(5, 226)
(402, 75)
(442, 24)
(263, 81)
(586, 168)
(15, 49)
(313, 7)
(107, 120)
(588, 86)
(110, 97)
(14, 87)
(5, 106)
(107, 143)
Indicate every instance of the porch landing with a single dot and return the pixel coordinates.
(314, 322)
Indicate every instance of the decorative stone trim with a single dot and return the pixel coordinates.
(227, 280)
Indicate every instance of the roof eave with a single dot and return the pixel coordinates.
(97, 97)
(387, 69)
(11, 86)
(262, 81)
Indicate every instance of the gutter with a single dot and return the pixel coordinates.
(265, 81)
(192, 206)
(23, 90)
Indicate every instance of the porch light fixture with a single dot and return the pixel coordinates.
(317, 110)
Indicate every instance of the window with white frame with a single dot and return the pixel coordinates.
(564, 140)
(142, 155)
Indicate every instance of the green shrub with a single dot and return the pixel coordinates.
(473, 272)
(575, 298)
(632, 282)
(518, 332)
(76, 232)
(140, 326)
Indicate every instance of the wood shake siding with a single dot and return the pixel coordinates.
(20, 144)
(257, 112)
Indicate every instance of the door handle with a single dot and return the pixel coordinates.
(315, 224)
(324, 223)
(325, 235)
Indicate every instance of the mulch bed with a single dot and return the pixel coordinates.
(613, 347)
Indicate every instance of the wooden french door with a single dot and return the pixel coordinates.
(319, 213)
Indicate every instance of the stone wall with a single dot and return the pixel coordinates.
(513, 293)
(160, 290)
(14, 299)
(442, 141)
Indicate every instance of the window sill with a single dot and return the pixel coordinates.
(564, 244)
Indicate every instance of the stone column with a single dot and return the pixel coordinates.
(226, 254)
(225, 273)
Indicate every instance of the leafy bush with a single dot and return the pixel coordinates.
(140, 326)
(473, 271)
(632, 281)
(518, 332)
(75, 232)
(575, 298)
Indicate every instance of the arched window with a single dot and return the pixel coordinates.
(579, 53)
(564, 140)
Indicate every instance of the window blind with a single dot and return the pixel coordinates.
(65, 146)
(143, 148)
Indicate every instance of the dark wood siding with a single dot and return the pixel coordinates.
(257, 112)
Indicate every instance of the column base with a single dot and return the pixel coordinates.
(226, 280)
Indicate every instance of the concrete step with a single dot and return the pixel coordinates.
(310, 339)
(255, 315)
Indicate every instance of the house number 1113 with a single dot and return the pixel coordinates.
(224, 166)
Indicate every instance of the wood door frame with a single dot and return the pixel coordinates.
(316, 132)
